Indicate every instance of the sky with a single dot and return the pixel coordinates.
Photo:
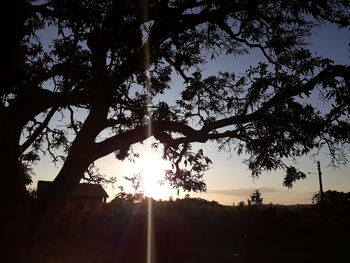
(228, 180)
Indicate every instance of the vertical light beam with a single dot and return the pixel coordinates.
(150, 240)
(149, 231)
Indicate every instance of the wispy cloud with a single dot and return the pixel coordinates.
(241, 191)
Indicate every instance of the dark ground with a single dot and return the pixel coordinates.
(192, 230)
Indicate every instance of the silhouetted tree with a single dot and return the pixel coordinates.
(103, 65)
(241, 204)
(333, 198)
(123, 198)
(255, 198)
(136, 184)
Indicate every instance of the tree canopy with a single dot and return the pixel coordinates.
(113, 60)
(255, 198)
(332, 199)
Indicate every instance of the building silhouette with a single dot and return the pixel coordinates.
(84, 198)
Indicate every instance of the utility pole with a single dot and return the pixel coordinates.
(320, 180)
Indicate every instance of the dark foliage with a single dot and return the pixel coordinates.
(114, 59)
(255, 198)
(333, 199)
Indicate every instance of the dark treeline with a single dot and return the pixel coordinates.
(195, 230)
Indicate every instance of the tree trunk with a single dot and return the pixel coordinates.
(54, 201)
(13, 193)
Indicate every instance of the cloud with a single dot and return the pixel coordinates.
(241, 191)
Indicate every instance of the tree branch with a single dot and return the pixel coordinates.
(329, 72)
(38, 131)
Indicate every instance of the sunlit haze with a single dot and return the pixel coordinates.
(152, 171)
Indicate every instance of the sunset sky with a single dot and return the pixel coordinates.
(228, 179)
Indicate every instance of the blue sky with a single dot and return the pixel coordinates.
(228, 179)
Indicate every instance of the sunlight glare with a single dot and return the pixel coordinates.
(152, 173)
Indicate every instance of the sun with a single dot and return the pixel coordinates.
(152, 172)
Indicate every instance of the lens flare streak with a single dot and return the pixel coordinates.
(150, 240)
